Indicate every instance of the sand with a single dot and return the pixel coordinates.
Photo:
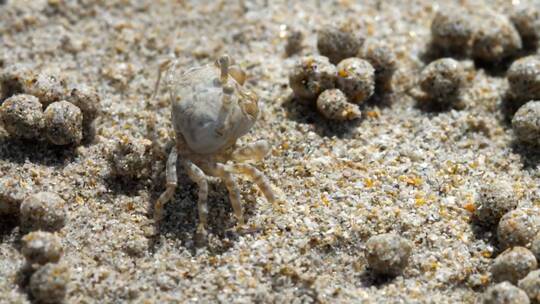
(399, 169)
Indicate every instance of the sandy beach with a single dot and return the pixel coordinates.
(399, 168)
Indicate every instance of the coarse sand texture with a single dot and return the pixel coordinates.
(255, 151)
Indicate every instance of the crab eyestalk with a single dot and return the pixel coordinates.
(223, 63)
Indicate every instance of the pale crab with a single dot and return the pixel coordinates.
(211, 109)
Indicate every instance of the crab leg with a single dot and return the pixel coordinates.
(197, 175)
(172, 181)
(165, 65)
(151, 124)
(234, 191)
(258, 178)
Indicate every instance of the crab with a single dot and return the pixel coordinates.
(211, 109)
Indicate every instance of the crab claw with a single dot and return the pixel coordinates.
(238, 74)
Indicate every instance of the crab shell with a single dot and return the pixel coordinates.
(198, 110)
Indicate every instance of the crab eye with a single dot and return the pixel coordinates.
(223, 61)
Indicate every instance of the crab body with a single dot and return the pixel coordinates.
(211, 109)
(198, 111)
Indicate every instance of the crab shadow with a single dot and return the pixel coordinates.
(181, 217)
(20, 151)
(304, 112)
